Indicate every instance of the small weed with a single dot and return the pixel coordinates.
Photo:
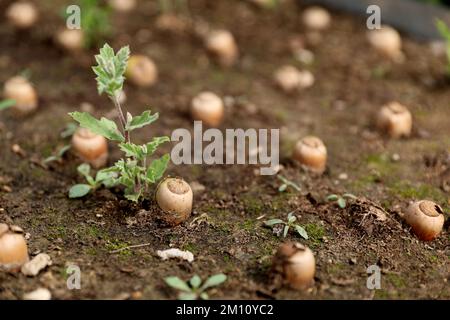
(290, 223)
(287, 183)
(340, 199)
(194, 289)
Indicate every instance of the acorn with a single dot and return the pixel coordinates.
(142, 71)
(207, 107)
(311, 153)
(316, 18)
(174, 196)
(395, 120)
(71, 40)
(22, 15)
(426, 219)
(387, 41)
(296, 263)
(290, 79)
(90, 147)
(221, 44)
(13, 249)
(123, 5)
(23, 93)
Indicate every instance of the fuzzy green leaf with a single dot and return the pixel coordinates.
(273, 222)
(177, 283)
(332, 197)
(187, 296)
(341, 203)
(103, 127)
(8, 103)
(285, 231)
(79, 190)
(155, 143)
(214, 281)
(156, 169)
(144, 119)
(301, 231)
(195, 282)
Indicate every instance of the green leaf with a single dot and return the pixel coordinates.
(103, 127)
(63, 150)
(195, 282)
(131, 150)
(285, 231)
(84, 169)
(332, 197)
(214, 281)
(443, 29)
(273, 222)
(155, 143)
(157, 167)
(341, 203)
(8, 103)
(187, 296)
(301, 231)
(350, 196)
(204, 296)
(132, 195)
(144, 119)
(105, 174)
(177, 283)
(79, 190)
(282, 188)
(69, 130)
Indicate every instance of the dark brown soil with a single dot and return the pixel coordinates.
(352, 82)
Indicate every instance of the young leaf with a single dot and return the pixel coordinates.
(8, 103)
(204, 296)
(282, 188)
(195, 282)
(177, 283)
(157, 168)
(84, 169)
(302, 232)
(103, 175)
(341, 203)
(103, 127)
(285, 231)
(187, 296)
(214, 281)
(131, 150)
(332, 197)
(79, 190)
(273, 222)
(144, 119)
(155, 143)
(350, 196)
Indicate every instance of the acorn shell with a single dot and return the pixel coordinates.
(311, 153)
(13, 249)
(426, 219)
(90, 147)
(174, 196)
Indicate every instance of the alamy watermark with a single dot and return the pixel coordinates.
(374, 20)
(374, 280)
(74, 277)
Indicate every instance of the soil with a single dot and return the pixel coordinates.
(226, 232)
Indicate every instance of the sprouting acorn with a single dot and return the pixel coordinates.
(426, 219)
(207, 107)
(23, 93)
(395, 120)
(90, 147)
(13, 249)
(174, 196)
(142, 71)
(22, 14)
(296, 263)
(222, 45)
(316, 18)
(311, 153)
